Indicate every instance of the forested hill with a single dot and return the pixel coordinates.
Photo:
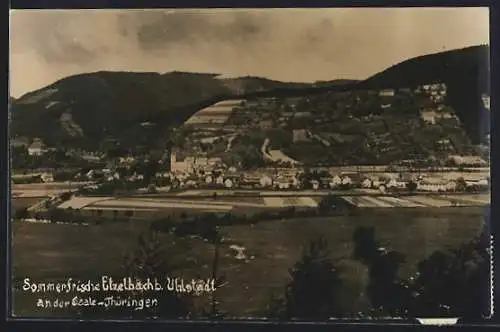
(85, 109)
(464, 71)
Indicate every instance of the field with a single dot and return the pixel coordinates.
(216, 114)
(44, 189)
(25, 202)
(192, 203)
(418, 201)
(57, 251)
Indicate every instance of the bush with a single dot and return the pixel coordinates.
(452, 284)
(313, 291)
(21, 213)
(447, 284)
(148, 260)
(385, 291)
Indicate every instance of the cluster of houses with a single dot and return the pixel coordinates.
(295, 179)
(43, 176)
(193, 164)
(436, 91)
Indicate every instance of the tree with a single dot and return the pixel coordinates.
(148, 260)
(213, 235)
(448, 283)
(461, 184)
(129, 214)
(411, 186)
(313, 291)
(20, 214)
(386, 292)
(453, 284)
(65, 196)
(327, 204)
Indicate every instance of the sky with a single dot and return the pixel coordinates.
(300, 45)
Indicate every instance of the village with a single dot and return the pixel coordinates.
(211, 173)
(216, 150)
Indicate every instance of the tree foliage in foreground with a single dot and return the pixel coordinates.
(313, 290)
(452, 283)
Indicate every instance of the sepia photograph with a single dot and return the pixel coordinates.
(277, 164)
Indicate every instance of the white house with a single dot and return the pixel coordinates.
(208, 179)
(228, 183)
(219, 180)
(433, 185)
(346, 180)
(47, 177)
(471, 161)
(366, 183)
(90, 174)
(386, 93)
(392, 183)
(37, 148)
(127, 160)
(191, 183)
(486, 101)
(335, 181)
(265, 181)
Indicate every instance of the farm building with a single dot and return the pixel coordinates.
(315, 184)
(467, 161)
(395, 183)
(482, 183)
(486, 101)
(302, 114)
(386, 93)
(300, 135)
(436, 185)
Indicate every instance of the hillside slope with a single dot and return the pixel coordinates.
(84, 110)
(111, 104)
(464, 71)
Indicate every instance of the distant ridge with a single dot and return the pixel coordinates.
(111, 104)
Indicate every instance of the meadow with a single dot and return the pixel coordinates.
(55, 252)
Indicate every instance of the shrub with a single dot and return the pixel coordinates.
(313, 291)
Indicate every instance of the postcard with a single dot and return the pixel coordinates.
(282, 164)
